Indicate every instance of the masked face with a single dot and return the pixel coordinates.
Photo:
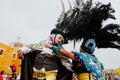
(59, 39)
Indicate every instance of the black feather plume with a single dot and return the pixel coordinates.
(86, 22)
(109, 37)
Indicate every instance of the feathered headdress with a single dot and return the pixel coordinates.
(85, 21)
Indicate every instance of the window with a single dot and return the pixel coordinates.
(2, 52)
(14, 56)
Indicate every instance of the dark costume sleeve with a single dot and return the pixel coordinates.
(27, 65)
(63, 72)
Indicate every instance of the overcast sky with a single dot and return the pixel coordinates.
(32, 20)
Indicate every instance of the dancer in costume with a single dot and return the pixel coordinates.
(43, 63)
(89, 67)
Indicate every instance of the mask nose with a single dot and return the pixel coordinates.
(61, 41)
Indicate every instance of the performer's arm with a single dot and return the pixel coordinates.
(62, 51)
(68, 54)
(28, 48)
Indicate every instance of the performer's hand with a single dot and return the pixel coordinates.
(76, 56)
(20, 54)
(79, 64)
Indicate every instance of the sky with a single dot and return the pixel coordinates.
(30, 21)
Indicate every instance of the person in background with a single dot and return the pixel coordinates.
(1, 75)
(13, 68)
(13, 76)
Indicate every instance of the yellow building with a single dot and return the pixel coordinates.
(118, 71)
(8, 57)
